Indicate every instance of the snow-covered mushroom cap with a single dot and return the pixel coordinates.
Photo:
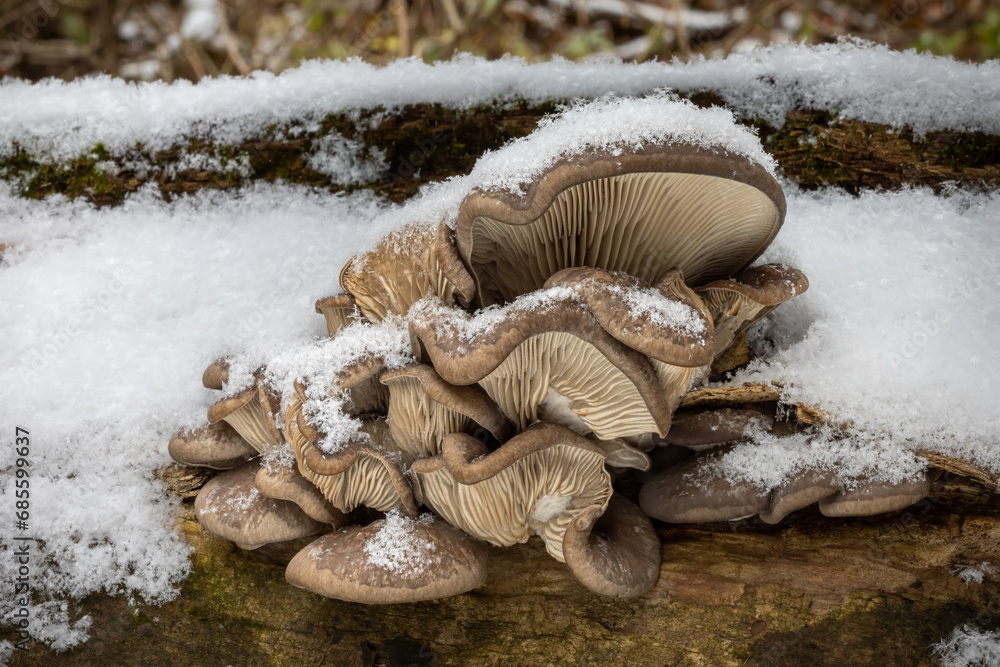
(216, 446)
(684, 494)
(403, 268)
(423, 409)
(875, 498)
(251, 412)
(563, 344)
(705, 211)
(360, 472)
(616, 552)
(232, 507)
(392, 560)
(703, 429)
(216, 375)
(536, 483)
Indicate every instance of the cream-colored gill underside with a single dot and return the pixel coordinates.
(643, 224)
(337, 319)
(251, 423)
(399, 282)
(417, 422)
(367, 483)
(673, 380)
(602, 396)
(731, 313)
(497, 509)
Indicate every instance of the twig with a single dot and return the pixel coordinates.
(232, 48)
(402, 27)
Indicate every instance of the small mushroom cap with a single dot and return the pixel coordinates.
(216, 375)
(801, 491)
(251, 412)
(338, 310)
(232, 507)
(735, 305)
(682, 495)
(708, 212)
(616, 553)
(216, 446)
(404, 266)
(279, 478)
(709, 428)
(537, 483)
(390, 561)
(876, 498)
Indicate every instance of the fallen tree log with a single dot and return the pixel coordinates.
(423, 143)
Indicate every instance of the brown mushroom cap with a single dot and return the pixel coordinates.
(280, 479)
(391, 561)
(794, 494)
(708, 428)
(216, 375)
(705, 211)
(360, 473)
(405, 266)
(536, 483)
(338, 310)
(735, 305)
(251, 412)
(680, 495)
(876, 498)
(553, 341)
(232, 507)
(616, 552)
(423, 409)
(216, 446)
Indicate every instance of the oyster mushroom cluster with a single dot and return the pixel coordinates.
(551, 335)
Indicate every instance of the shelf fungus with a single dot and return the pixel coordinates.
(514, 375)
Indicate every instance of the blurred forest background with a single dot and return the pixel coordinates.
(190, 39)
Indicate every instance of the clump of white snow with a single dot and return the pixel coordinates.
(895, 337)
(969, 647)
(400, 549)
(113, 314)
(56, 120)
(344, 160)
(663, 312)
(974, 574)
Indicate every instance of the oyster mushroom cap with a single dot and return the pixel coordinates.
(736, 304)
(705, 429)
(216, 446)
(706, 211)
(339, 311)
(680, 495)
(405, 266)
(216, 375)
(536, 483)
(390, 561)
(615, 553)
(251, 412)
(232, 507)
(876, 498)
(552, 340)
(279, 478)
(359, 473)
(423, 409)
(804, 490)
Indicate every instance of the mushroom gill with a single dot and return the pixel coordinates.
(251, 412)
(707, 212)
(423, 409)
(339, 311)
(738, 303)
(359, 473)
(535, 484)
(407, 265)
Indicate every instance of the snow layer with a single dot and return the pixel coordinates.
(398, 548)
(110, 316)
(66, 119)
(969, 647)
(896, 335)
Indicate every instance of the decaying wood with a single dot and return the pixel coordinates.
(424, 143)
